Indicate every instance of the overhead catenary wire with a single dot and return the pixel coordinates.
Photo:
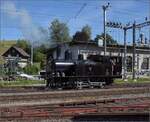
(82, 7)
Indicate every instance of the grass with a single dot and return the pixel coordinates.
(34, 82)
(129, 80)
(20, 83)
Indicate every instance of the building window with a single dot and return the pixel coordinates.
(129, 63)
(80, 57)
(58, 52)
(68, 55)
(145, 64)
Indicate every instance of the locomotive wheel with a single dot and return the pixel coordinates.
(101, 85)
(79, 85)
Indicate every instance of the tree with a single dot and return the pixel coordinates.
(109, 39)
(97, 37)
(24, 45)
(59, 32)
(83, 35)
(38, 56)
(42, 48)
(80, 36)
(87, 29)
(31, 69)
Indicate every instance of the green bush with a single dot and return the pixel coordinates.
(38, 56)
(31, 69)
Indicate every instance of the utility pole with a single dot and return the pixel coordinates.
(134, 50)
(31, 53)
(105, 7)
(125, 53)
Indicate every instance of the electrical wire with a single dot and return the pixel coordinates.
(82, 7)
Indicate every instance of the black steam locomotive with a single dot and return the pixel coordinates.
(96, 71)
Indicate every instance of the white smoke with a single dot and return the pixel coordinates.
(30, 30)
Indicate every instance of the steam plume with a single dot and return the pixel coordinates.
(30, 30)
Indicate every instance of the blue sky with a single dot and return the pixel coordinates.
(43, 12)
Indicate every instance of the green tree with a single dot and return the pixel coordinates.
(80, 36)
(42, 48)
(31, 69)
(83, 35)
(87, 29)
(59, 32)
(38, 56)
(43, 63)
(24, 45)
(109, 39)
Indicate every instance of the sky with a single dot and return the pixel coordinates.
(21, 19)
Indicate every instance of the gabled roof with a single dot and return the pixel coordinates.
(20, 50)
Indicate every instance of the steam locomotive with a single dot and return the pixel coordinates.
(95, 71)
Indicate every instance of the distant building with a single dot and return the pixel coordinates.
(77, 50)
(15, 52)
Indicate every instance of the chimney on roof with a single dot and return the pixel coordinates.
(146, 40)
(142, 38)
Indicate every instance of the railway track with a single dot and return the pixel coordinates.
(127, 117)
(69, 104)
(75, 109)
(70, 96)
